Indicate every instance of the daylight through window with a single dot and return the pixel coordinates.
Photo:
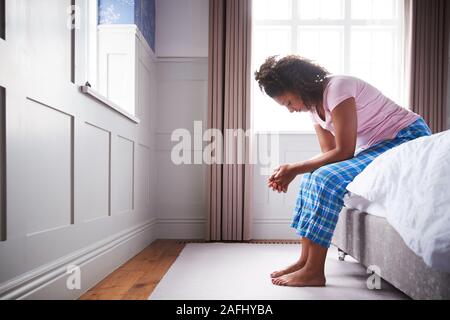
(362, 38)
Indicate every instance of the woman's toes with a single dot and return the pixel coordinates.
(276, 281)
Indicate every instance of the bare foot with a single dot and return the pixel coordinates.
(294, 267)
(301, 278)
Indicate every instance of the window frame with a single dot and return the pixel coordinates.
(294, 22)
(86, 59)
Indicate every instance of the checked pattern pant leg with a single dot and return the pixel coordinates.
(320, 199)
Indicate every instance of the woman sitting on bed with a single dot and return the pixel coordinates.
(355, 123)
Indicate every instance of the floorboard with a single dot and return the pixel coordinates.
(137, 278)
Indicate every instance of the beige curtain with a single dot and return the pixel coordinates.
(229, 185)
(427, 31)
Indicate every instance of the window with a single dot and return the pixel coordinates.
(105, 57)
(2, 19)
(86, 42)
(362, 38)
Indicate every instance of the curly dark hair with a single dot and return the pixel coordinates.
(293, 74)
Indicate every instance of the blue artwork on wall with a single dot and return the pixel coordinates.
(139, 12)
(145, 15)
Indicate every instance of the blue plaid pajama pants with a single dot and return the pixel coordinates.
(320, 199)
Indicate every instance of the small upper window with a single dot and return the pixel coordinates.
(104, 56)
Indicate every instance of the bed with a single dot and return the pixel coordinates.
(397, 217)
(373, 241)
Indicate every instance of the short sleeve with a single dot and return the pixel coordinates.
(313, 119)
(339, 90)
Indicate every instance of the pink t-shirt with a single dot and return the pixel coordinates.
(379, 118)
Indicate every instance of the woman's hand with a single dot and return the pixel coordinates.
(275, 187)
(281, 178)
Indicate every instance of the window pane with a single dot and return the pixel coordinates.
(268, 115)
(374, 58)
(272, 10)
(270, 41)
(373, 53)
(374, 9)
(321, 9)
(325, 45)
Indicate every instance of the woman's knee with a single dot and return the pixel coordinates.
(305, 179)
(325, 175)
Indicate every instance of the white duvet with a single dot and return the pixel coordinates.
(412, 182)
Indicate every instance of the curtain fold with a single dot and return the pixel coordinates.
(229, 182)
(427, 34)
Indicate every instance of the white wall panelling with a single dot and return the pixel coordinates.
(182, 50)
(182, 99)
(80, 177)
(95, 162)
(123, 192)
(45, 156)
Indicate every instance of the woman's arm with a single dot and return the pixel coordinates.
(345, 125)
(326, 139)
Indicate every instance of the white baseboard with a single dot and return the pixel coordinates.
(181, 228)
(267, 229)
(95, 263)
(273, 229)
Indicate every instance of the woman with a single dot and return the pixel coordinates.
(354, 123)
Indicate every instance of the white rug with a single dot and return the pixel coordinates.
(223, 271)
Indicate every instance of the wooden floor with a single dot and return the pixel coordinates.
(136, 279)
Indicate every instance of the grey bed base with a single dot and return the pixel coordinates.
(374, 242)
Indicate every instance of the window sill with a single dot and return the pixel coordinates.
(105, 101)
